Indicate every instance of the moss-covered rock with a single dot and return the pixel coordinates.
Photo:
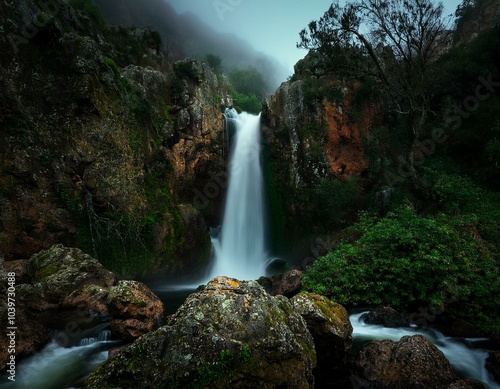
(228, 334)
(102, 138)
(60, 271)
(329, 324)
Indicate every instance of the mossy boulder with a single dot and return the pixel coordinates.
(134, 308)
(329, 324)
(230, 333)
(60, 271)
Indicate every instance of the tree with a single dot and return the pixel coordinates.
(396, 42)
(248, 81)
(215, 63)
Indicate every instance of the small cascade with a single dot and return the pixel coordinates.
(104, 336)
(239, 245)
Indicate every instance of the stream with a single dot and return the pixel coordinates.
(467, 356)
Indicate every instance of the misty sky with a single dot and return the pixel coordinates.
(270, 26)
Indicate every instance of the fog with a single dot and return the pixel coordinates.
(244, 33)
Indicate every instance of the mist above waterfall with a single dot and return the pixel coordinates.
(187, 35)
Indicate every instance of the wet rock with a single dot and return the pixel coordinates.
(60, 271)
(493, 365)
(228, 334)
(34, 334)
(287, 284)
(134, 308)
(387, 317)
(465, 384)
(329, 324)
(413, 362)
(20, 267)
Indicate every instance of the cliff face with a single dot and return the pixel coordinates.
(311, 137)
(103, 156)
(482, 16)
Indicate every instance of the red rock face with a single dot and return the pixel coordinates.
(344, 146)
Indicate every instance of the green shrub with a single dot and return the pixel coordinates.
(407, 261)
(89, 8)
(333, 200)
(247, 103)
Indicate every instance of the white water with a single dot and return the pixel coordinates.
(239, 247)
(56, 367)
(466, 360)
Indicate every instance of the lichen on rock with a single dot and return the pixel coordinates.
(228, 334)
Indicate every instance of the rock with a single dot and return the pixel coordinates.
(60, 271)
(91, 298)
(134, 308)
(413, 362)
(329, 324)
(20, 267)
(34, 334)
(227, 334)
(465, 384)
(387, 317)
(493, 365)
(287, 284)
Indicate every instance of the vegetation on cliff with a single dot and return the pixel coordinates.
(429, 231)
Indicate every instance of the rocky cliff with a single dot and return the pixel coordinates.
(103, 144)
(476, 17)
(315, 130)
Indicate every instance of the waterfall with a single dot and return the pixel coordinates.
(239, 245)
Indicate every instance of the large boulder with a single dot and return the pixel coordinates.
(329, 324)
(412, 362)
(60, 271)
(287, 284)
(387, 317)
(68, 279)
(30, 334)
(228, 334)
(134, 308)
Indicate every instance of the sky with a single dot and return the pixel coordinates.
(270, 26)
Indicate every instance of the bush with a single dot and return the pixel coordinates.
(333, 201)
(89, 8)
(407, 261)
(247, 103)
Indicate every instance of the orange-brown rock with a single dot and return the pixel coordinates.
(134, 308)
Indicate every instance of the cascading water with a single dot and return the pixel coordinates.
(239, 246)
(465, 355)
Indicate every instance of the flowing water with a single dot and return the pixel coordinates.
(467, 356)
(58, 367)
(239, 245)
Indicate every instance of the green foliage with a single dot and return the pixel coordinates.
(89, 8)
(316, 90)
(247, 103)
(209, 373)
(406, 261)
(187, 69)
(112, 65)
(215, 63)
(333, 200)
(249, 82)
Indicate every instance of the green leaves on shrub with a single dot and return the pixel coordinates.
(407, 261)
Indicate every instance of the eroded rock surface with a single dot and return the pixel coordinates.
(413, 362)
(229, 334)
